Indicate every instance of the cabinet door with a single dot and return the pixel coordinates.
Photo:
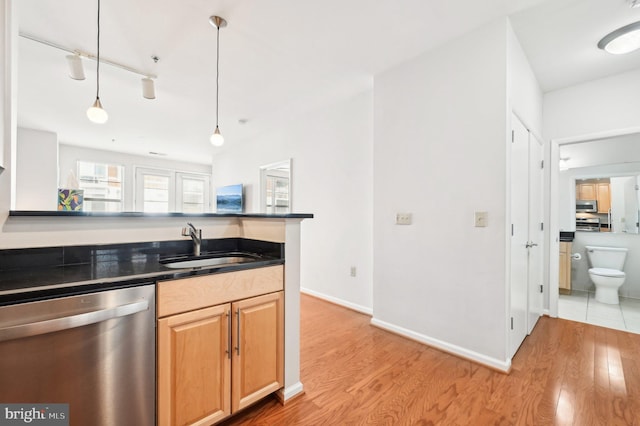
(564, 283)
(194, 367)
(604, 198)
(587, 191)
(258, 344)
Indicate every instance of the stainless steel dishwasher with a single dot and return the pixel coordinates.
(95, 352)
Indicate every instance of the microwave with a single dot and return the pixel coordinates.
(586, 206)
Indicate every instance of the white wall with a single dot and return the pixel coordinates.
(36, 170)
(592, 108)
(332, 177)
(440, 153)
(523, 90)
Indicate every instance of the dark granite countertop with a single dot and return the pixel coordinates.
(62, 213)
(35, 274)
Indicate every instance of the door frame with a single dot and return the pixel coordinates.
(553, 202)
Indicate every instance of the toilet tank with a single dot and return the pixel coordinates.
(606, 257)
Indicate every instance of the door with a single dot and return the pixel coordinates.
(519, 274)
(194, 367)
(536, 233)
(527, 235)
(258, 344)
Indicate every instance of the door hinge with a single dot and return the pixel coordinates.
(512, 323)
(541, 288)
(542, 164)
(513, 136)
(512, 229)
(542, 226)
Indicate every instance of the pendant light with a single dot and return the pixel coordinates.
(96, 113)
(218, 22)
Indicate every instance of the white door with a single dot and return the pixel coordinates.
(536, 232)
(519, 234)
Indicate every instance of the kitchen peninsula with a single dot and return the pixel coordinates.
(125, 259)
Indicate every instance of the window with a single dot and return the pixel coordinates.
(159, 190)
(102, 185)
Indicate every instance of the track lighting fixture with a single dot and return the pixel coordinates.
(76, 69)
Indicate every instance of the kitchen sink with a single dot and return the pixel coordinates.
(208, 261)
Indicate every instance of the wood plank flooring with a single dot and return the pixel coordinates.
(565, 373)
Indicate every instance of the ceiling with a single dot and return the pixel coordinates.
(278, 58)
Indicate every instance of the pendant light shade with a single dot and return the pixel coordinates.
(216, 138)
(96, 113)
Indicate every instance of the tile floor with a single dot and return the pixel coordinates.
(582, 306)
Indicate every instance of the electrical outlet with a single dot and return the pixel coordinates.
(481, 219)
(403, 218)
(353, 271)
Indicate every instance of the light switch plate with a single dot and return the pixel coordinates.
(403, 218)
(481, 219)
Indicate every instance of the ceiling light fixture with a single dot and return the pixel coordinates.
(96, 113)
(623, 40)
(76, 70)
(216, 138)
(148, 89)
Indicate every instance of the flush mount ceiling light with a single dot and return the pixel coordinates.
(96, 113)
(218, 22)
(623, 40)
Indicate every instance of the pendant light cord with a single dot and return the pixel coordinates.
(217, 70)
(98, 57)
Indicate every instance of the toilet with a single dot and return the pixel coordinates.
(606, 272)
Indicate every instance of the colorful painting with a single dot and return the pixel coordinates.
(70, 199)
(229, 199)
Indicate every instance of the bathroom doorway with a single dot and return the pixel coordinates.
(610, 159)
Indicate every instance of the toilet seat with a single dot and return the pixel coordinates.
(605, 272)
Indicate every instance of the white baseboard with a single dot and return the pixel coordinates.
(352, 306)
(496, 364)
(285, 394)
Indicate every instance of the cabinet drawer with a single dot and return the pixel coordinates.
(188, 294)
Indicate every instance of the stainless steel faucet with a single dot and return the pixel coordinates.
(196, 236)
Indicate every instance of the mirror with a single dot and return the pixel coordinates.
(275, 187)
(606, 171)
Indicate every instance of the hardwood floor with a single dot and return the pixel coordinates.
(565, 373)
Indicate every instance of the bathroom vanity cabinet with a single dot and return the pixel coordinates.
(564, 283)
(220, 344)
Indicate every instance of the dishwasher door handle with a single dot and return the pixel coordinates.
(72, 321)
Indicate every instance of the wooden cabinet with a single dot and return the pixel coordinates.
(194, 369)
(216, 360)
(599, 191)
(564, 283)
(258, 344)
(586, 191)
(603, 197)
